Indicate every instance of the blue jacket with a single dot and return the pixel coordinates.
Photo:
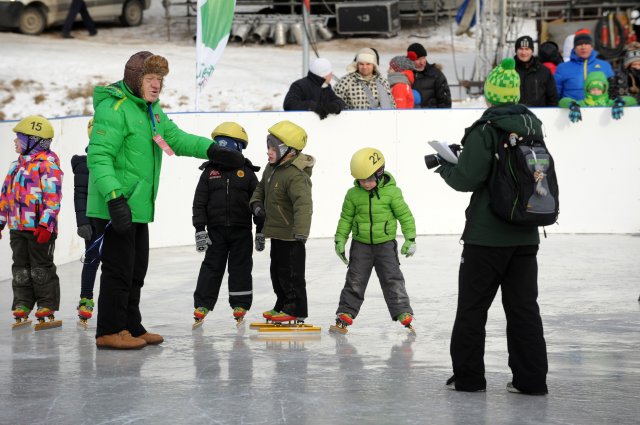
(570, 75)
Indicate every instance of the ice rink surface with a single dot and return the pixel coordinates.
(376, 374)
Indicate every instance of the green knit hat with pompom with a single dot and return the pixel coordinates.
(502, 86)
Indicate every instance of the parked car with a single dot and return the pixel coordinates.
(34, 16)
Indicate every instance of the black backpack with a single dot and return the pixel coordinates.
(523, 183)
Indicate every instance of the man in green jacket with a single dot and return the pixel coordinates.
(124, 158)
(283, 197)
(496, 253)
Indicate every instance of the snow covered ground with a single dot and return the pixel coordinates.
(54, 77)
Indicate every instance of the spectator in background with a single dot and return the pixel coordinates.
(400, 79)
(430, 82)
(314, 92)
(537, 86)
(78, 6)
(631, 71)
(549, 55)
(364, 87)
(570, 76)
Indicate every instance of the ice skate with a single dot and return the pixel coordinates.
(286, 323)
(342, 321)
(85, 312)
(21, 315)
(41, 314)
(198, 315)
(267, 316)
(405, 319)
(238, 314)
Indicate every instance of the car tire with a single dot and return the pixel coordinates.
(32, 21)
(132, 13)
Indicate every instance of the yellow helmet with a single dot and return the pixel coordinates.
(35, 125)
(365, 162)
(231, 129)
(290, 134)
(89, 127)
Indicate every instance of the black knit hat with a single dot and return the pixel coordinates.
(524, 41)
(582, 36)
(415, 51)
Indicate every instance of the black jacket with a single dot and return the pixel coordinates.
(222, 196)
(433, 87)
(307, 94)
(80, 188)
(537, 85)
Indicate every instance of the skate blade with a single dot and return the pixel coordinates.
(197, 325)
(239, 323)
(338, 329)
(83, 324)
(21, 325)
(411, 329)
(290, 329)
(47, 325)
(262, 325)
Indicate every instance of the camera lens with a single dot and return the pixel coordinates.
(431, 161)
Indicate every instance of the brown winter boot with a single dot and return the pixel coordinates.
(120, 341)
(151, 339)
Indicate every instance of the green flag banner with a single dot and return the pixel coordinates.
(214, 25)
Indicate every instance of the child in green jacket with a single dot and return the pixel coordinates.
(370, 211)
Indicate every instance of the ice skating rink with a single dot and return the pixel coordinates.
(376, 374)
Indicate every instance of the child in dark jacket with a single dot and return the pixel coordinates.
(29, 206)
(90, 230)
(221, 204)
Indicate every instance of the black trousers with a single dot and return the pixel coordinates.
(125, 259)
(34, 274)
(78, 6)
(482, 270)
(287, 277)
(234, 244)
(91, 259)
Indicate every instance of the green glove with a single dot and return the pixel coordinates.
(408, 248)
(340, 251)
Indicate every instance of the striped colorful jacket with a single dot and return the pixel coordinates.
(31, 193)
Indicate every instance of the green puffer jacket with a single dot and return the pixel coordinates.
(471, 173)
(122, 156)
(285, 191)
(373, 215)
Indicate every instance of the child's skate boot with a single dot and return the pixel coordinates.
(281, 317)
(238, 314)
(21, 314)
(198, 315)
(85, 311)
(405, 319)
(269, 314)
(342, 321)
(41, 314)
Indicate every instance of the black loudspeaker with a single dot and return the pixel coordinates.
(370, 17)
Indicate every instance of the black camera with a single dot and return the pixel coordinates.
(435, 160)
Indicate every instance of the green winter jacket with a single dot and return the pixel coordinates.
(285, 191)
(471, 173)
(596, 79)
(373, 215)
(122, 156)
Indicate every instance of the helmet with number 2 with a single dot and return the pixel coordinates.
(35, 125)
(366, 162)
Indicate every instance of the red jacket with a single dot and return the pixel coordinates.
(402, 92)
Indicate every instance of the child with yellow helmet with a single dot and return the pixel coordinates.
(29, 205)
(222, 219)
(283, 197)
(370, 212)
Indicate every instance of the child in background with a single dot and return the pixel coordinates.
(221, 204)
(370, 211)
(596, 89)
(401, 78)
(283, 197)
(29, 204)
(90, 230)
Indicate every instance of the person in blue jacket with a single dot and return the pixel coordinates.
(570, 76)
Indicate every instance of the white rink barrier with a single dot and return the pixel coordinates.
(596, 159)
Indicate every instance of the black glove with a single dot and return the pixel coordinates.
(259, 241)
(616, 109)
(120, 215)
(321, 111)
(574, 112)
(300, 238)
(85, 232)
(257, 208)
(333, 108)
(229, 157)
